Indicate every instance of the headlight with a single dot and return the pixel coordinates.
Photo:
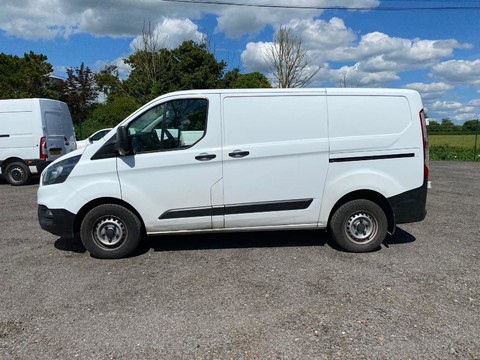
(58, 173)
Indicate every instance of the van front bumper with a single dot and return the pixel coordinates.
(56, 221)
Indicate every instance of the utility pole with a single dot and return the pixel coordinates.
(476, 138)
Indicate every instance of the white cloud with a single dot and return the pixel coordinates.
(320, 35)
(459, 72)
(454, 110)
(253, 57)
(236, 21)
(431, 91)
(34, 19)
(170, 33)
(378, 58)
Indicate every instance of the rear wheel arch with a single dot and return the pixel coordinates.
(10, 160)
(370, 195)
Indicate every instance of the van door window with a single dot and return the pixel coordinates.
(177, 124)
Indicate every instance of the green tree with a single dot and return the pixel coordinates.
(196, 67)
(470, 126)
(433, 126)
(80, 92)
(152, 74)
(109, 114)
(25, 77)
(234, 80)
(108, 80)
(447, 125)
(189, 66)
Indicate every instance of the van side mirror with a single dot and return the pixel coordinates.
(124, 147)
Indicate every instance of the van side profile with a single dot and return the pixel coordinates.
(353, 161)
(33, 133)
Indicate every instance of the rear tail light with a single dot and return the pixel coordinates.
(43, 149)
(423, 125)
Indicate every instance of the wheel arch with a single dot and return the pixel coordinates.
(10, 160)
(101, 201)
(373, 196)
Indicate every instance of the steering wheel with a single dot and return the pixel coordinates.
(171, 139)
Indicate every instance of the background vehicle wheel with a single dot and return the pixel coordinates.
(110, 231)
(17, 173)
(359, 226)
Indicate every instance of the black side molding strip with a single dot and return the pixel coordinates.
(300, 204)
(374, 157)
(4, 135)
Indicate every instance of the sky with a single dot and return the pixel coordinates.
(432, 46)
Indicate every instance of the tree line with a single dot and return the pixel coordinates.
(446, 126)
(154, 72)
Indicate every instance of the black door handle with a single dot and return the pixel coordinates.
(205, 157)
(239, 154)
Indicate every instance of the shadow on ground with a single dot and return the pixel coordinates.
(236, 240)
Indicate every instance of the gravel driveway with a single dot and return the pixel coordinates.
(265, 295)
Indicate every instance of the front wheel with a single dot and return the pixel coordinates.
(17, 173)
(359, 226)
(110, 231)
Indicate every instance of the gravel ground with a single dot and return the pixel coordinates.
(272, 295)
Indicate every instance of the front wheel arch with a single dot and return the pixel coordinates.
(101, 201)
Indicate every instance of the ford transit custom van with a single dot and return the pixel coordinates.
(352, 161)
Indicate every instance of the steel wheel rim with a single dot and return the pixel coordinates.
(17, 174)
(361, 227)
(109, 232)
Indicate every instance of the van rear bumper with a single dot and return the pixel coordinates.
(410, 206)
(56, 221)
(38, 164)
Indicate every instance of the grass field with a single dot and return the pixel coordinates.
(454, 147)
(464, 141)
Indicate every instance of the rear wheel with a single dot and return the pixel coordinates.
(17, 173)
(110, 231)
(359, 226)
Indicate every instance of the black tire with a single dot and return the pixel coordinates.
(17, 173)
(359, 226)
(110, 231)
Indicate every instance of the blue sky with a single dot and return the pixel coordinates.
(436, 52)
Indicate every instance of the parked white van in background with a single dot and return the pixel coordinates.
(33, 133)
(354, 161)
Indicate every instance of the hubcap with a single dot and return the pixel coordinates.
(16, 174)
(109, 232)
(361, 227)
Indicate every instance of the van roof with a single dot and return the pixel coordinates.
(292, 91)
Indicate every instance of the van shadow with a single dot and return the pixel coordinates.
(71, 245)
(35, 180)
(400, 237)
(235, 240)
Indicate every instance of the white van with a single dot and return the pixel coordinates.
(33, 133)
(354, 161)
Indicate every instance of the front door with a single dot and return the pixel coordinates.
(173, 178)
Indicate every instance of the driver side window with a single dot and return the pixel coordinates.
(177, 124)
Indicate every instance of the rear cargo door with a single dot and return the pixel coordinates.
(54, 134)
